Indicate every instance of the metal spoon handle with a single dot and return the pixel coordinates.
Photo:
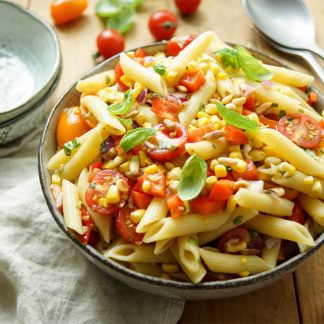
(317, 50)
(309, 57)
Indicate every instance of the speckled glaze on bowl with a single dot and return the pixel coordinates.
(158, 286)
(35, 43)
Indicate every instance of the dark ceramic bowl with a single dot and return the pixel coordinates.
(154, 285)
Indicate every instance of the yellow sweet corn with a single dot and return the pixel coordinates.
(211, 109)
(146, 186)
(151, 169)
(56, 178)
(221, 76)
(220, 171)
(240, 167)
(113, 196)
(137, 215)
(231, 204)
(257, 155)
(236, 155)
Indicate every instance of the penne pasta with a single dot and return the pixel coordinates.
(96, 82)
(314, 207)
(188, 252)
(207, 150)
(270, 256)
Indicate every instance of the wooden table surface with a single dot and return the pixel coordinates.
(298, 297)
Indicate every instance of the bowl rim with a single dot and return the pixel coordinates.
(29, 102)
(158, 282)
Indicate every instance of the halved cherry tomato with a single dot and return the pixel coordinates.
(94, 168)
(140, 53)
(118, 74)
(193, 80)
(71, 124)
(166, 108)
(157, 184)
(138, 148)
(249, 103)
(298, 214)
(177, 44)
(162, 24)
(250, 173)
(88, 223)
(141, 199)
(174, 145)
(126, 227)
(235, 135)
(187, 7)
(222, 190)
(268, 121)
(176, 206)
(102, 182)
(301, 129)
(56, 190)
(197, 134)
(110, 42)
(63, 11)
(235, 235)
(206, 206)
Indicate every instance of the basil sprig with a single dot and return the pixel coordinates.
(235, 119)
(193, 178)
(123, 21)
(240, 57)
(135, 137)
(122, 108)
(68, 147)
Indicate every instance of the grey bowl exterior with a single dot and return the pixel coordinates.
(33, 40)
(158, 286)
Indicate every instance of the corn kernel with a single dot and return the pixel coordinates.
(213, 163)
(170, 267)
(109, 164)
(239, 101)
(124, 167)
(232, 246)
(236, 155)
(214, 119)
(202, 114)
(244, 274)
(174, 174)
(289, 168)
(165, 276)
(214, 67)
(254, 117)
(118, 160)
(122, 185)
(161, 168)
(173, 185)
(221, 76)
(56, 179)
(137, 215)
(146, 186)
(186, 205)
(257, 155)
(234, 148)
(204, 67)
(127, 81)
(240, 167)
(257, 143)
(113, 196)
(231, 204)
(142, 158)
(140, 118)
(172, 76)
(210, 181)
(203, 121)
(309, 180)
(151, 169)
(147, 125)
(137, 90)
(192, 66)
(211, 109)
(220, 171)
(103, 202)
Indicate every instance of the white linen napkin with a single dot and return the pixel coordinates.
(43, 277)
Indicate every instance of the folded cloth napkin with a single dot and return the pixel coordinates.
(43, 277)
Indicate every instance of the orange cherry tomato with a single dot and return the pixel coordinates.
(206, 206)
(222, 190)
(71, 124)
(176, 206)
(64, 11)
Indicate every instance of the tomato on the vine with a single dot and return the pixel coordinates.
(63, 11)
(178, 43)
(301, 129)
(110, 42)
(187, 7)
(71, 124)
(162, 24)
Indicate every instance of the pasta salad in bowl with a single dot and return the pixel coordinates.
(190, 168)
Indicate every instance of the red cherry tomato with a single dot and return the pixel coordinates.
(297, 214)
(235, 135)
(168, 148)
(63, 11)
(102, 182)
(162, 24)
(197, 134)
(89, 224)
(126, 227)
(71, 124)
(141, 199)
(206, 206)
(177, 44)
(166, 108)
(237, 234)
(176, 206)
(187, 7)
(118, 74)
(110, 42)
(94, 168)
(270, 120)
(301, 129)
(251, 173)
(193, 80)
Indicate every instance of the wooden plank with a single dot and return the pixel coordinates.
(273, 304)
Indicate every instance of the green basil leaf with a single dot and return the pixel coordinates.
(253, 69)
(122, 21)
(68, 147)
(311, 153)
(166, 145)
(108, 8)
(122, 109)
(130, 3)
(228, 57)
(126, 122)
(193, 178)
(159, 69)
(135, 137)
(235, 119)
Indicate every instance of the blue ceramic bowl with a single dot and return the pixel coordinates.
(154, 285)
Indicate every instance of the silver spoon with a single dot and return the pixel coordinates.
(306, 55)
(289, 23)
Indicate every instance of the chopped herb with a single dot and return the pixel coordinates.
(274, 104)
(308, 90)
(159, 69)
(122, 108)
(290, 118)
(70, 146)
(187, 67)
(92, 185)
(201, 107)
(268, 192)
(301, 110)
(282, 173)
(282, 113)
(311, 153)
(167, 145)
(107, 79)
(237, 220)
(130, 239)
(253, 233)
(193, 241)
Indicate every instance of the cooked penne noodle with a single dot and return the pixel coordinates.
(188, 252)
(96, 82)
(207, 150)
(281, 228)
(147, 268)
(314, 208)
(270, 256)
(163, 245)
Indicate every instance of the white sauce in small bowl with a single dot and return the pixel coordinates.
(16, 81)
